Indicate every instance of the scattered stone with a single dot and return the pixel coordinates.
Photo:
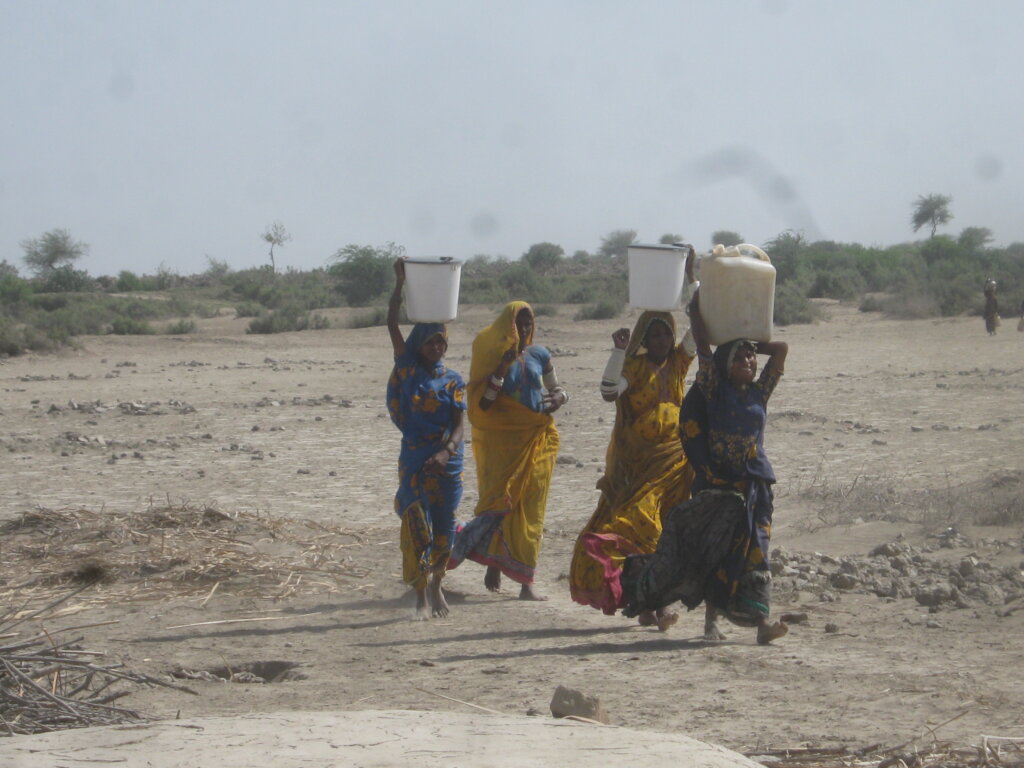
(570, 702)
(831, 629)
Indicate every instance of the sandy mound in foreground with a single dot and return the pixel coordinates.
(366, 739)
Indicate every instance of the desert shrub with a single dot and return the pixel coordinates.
(13, 290)
(910, 307)
(603, 309)
(129, 326)
(521, 281)
(844, 284)
(286, 319)
(181, 327)
(127, 282)
(792, 307)
(248, 309)
(66, 279)
(363, 272)
(545, 310)
(376, 316)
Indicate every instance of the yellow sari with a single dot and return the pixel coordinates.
(645, 471)
(514, 448)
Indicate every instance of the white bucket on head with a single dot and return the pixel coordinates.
(432, 289)
(656, 275)
(737, 293)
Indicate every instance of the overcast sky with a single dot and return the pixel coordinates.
(163, 133)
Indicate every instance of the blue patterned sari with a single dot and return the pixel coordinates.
(421, 402)
(715, 546)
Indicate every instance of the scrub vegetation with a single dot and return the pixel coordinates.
(940, 276)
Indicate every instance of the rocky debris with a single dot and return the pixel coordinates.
(568, 702)
(897, 570)
(132, 408)
(153, 409)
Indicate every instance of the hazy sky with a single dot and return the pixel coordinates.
(169, 132)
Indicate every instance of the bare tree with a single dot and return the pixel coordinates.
(275, 234)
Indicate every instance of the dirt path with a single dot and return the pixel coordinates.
(874, 432)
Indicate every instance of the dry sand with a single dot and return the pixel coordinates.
(872, 417)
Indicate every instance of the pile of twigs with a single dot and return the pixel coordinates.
(990, 752)
(172, 551)
(49, 682)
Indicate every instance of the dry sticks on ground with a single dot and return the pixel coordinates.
(50, 683)
(172, 551)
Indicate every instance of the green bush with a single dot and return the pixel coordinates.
(66, 279)
(376, 316)
(792, 307)
(604, 309)
(287, 319)
(127, 282)
(181, 327)
(129, 326)
(363, 272)
(248, 309)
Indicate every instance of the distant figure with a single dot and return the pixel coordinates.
(991, 307)
(1020, 323)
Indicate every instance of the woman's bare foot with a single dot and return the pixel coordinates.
(438, 603)
(527, 592)
(646, 619)
(712, 632)
(665, 619)
(422, 606)
(492, 579)
(767, 632)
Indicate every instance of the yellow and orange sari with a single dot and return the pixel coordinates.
(645, 471)
(514, 446)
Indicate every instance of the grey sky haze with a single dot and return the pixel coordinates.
(166, 132)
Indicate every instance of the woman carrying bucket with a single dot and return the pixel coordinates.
(426, 401)
(513, 390)
(714, 548)
(646, 470)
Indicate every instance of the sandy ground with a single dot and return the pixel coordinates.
(872, 417)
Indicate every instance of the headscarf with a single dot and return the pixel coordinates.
(419, 335)
(643, 324)
(725, 354)
(488, 347)
(494, 340)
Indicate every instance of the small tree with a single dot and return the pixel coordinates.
(51, 250)
(364, 272)
(7, 270)
(670, 239)
(275, 234)
(726, 237)
(543, 257)
(975, 238)
(615, 243)
(932, 210)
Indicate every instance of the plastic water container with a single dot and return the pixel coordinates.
(656, 275)
(737, 293)
(432, 289)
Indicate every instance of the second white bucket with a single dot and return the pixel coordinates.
(656, 275)
(432, 289)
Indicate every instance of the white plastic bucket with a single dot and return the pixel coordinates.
(432, 289)
(656, 275)
(737, 293)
